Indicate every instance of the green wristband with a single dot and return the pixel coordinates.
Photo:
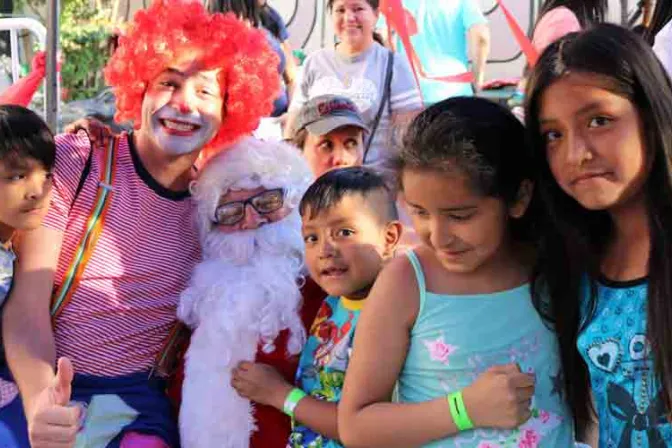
(292, 400)
(459, 411)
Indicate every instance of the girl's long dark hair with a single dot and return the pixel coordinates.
(587, 11)
(574, 241)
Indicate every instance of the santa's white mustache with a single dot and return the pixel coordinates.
(277, 238)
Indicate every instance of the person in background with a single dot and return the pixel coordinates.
(449, 36)
(556, 19)
(273, 22)
(330, 132)
(560, 17)
(250, 11)
(359, 68)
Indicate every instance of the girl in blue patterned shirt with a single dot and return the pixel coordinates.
(600, 113)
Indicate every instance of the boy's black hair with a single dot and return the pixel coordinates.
(24, 135)
(331, 187)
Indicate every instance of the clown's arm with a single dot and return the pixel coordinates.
(263, 384)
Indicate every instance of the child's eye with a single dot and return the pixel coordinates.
(351, 144)
(16, 177)
(344, 233)
(461, 217)
(49, 175)
(551, 136)
(597, 122)
(308, 239)
(325, 147)
(419, 212)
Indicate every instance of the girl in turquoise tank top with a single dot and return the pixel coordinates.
(452, 323)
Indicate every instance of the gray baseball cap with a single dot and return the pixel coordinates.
(323, 114)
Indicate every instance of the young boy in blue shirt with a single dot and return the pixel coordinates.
(350, 228)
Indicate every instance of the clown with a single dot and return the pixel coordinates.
(246, 289)
(119, 243)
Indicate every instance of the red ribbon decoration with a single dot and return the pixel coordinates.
(22, 91)
(403, 23)
(531, 53)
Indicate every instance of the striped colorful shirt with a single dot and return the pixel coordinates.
(124, 307)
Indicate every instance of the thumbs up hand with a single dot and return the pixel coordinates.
(53, 423)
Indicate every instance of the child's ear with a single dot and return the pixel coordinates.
(393, 231)
(193, 187)
(523, 198)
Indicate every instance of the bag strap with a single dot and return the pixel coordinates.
(387, 93)
(168, 358)
(94, 225)
(83, 177)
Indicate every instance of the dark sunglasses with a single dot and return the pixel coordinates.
(264, 203)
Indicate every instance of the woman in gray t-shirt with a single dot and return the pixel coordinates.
(356, 68)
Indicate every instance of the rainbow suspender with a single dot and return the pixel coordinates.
(92, 231)
(85, 249)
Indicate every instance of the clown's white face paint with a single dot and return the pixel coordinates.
(183, 108)
(178, 134)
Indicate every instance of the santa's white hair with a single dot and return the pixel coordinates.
(243, 293)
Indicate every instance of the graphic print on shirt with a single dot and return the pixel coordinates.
(362, 91)
(634, 402)
(323, 363)
(530, 434)
(334, 341)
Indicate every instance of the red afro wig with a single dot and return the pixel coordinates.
(166, 30)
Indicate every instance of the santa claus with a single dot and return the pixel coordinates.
(246, 289)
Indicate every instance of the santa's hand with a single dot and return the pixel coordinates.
(53, 422)
(260, 383)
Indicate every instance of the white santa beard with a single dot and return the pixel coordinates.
(233, 308)
(278, 238)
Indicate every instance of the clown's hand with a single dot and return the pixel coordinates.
(99, 133)
(260, 383)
